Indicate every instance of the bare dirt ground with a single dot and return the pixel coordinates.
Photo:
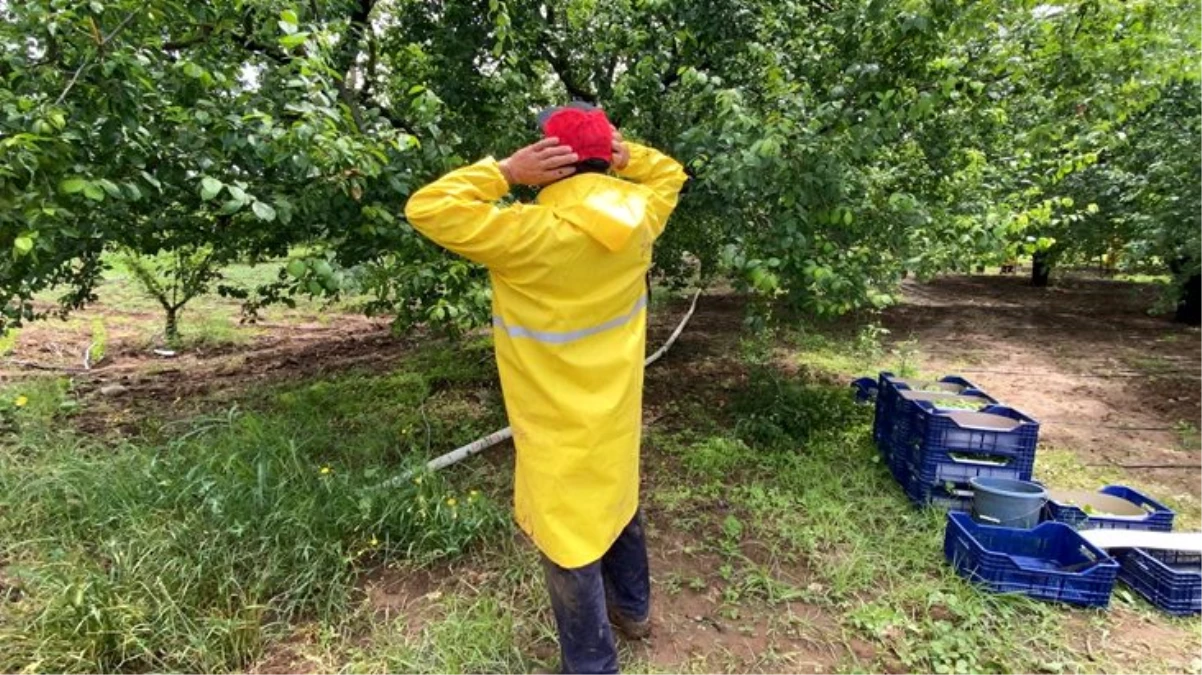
(1105, 379)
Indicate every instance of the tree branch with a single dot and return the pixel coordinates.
(99, 47)
(369, 69)
(121, 26)
(344, 94)
(605, 88)
(559, 62)
(344, 60)
(394, 119)
(349, 44)
(52, 53)
(560, 66)
(205, 32)
(246, 40)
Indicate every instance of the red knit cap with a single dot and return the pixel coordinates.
(587, 132)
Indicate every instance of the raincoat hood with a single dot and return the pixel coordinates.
(609, 210)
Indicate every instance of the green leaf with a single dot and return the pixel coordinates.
(230, 207)
(153, 181)
(23, 245)
(296, 268)
(237, 193)
(848, 218)
(322, 268)
(294, 40)
(72, 185)
(283, 209)
(264, 211)
(109, 187)
(92, 191)
(192, 70)
(209, 187)
(289, 16)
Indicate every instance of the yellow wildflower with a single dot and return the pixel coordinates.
(20, 401)
(451, 501)
(325, 471)
(375, 542)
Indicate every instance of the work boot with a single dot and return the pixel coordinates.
(631, 629)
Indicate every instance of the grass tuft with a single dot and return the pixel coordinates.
(192, 551)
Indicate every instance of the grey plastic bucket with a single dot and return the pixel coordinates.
(1007, 502)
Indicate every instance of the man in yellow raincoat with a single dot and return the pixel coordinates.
(569, 323)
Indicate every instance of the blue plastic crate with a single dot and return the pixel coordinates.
(887, 399)
(940, 496)
(960, 468)
(899, 466)
(923, 464)
(1159, 518)
(900, 427)
(865, 389)
(893, 427)
(941, 436)
(1171, 580)
(1050, 562)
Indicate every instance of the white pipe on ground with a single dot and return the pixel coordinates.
(497, 437)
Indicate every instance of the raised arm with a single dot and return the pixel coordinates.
(659, 173)
(458, 211)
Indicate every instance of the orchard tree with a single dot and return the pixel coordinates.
(1157, 172)
(202, 132)
(1122, 88)
(833, 145)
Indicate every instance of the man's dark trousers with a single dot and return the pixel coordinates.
(583, 597)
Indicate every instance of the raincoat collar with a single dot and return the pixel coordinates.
(605, 208)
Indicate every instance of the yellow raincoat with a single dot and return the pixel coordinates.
(569, 323)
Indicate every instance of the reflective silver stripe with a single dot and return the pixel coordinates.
(560, 337)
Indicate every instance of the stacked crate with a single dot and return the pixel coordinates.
(936, 436)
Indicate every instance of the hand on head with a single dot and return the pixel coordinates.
(539, 163)
(621, 152)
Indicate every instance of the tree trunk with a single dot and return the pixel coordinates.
(1040, 269)
(1189, 306)
(171, 329)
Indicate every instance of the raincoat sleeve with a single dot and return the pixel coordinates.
(659, 173)
(458, 213)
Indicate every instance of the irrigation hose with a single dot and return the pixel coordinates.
(497, 437)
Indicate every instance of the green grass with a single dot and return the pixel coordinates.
(1144, 278)
(208, 321)
(253, 534)
(8, 341)
(194, 546)
(807, 488)
(859, 351)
